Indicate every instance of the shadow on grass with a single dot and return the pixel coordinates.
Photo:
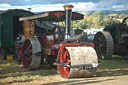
(12, 69)
(15, 81)
(112, 73)
(116, 66)
(19, 71)
(16, 72)
(79, 82)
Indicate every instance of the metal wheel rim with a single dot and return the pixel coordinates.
(99, 43)
(103, 44)
(64, 71)
(27, 60)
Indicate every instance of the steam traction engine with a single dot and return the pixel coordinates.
(73, 58)
(113, 40)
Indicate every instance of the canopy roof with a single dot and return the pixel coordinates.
(13, 10)
(52, 16)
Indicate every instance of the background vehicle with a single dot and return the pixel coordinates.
(113, 40)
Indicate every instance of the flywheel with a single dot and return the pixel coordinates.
(79, 61)
(103, 44)
(30, 58)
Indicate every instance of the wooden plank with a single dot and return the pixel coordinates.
(33, 17)
(29, 27)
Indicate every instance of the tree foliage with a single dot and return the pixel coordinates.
(122, 16)
(110, 21)
(81, 24)
(98, 19)
(98, 14)
(113, 15)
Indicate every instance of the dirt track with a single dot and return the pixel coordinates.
(114, 80)
(57, 80)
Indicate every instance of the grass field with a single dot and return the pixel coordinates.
(11, 72)
(114, 67)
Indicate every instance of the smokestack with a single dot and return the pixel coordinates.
(68, 14)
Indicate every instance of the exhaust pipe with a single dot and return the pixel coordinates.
(68, 15)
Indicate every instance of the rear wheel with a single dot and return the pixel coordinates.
(103, 44)
(3, 54)
(27, 58)
(31, 60)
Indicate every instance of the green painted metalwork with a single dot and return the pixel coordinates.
(7, 26)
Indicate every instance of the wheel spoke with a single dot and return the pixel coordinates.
(28, 57)
(64, 71)
(96, 42)
(101, 40)
(104, 46)
(103, 50)
(102, 37)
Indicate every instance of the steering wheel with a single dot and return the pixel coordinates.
(124, 21)
(125, 24)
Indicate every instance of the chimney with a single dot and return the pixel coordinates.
(68, 15)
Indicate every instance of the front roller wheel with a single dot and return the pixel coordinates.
(103, 44)
(64, 71)
(77, 60)
(31, 61)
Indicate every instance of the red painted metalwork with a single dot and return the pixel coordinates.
(18, 49)
(55, 16)
(63, 56)
(62, 13)
(51, 45)
(63, 45)
(46, 41)
(27, 59)
(64, 71)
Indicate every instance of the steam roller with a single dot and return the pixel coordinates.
(73, 57)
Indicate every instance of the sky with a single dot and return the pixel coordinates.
(51, 5)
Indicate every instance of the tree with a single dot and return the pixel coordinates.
(98, 14)
(113, 15)
(90, 24)
(110, 21)
(81, 24)
(122, 16)
(97, 21)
